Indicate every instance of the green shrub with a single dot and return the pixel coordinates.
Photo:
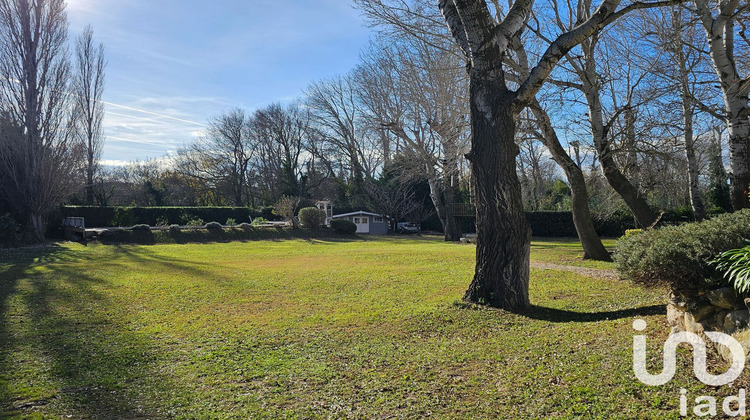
(631, 232)
(311, 217)
(344, 226)
(156, 216)
(231, 222)
(195, 222)
(123, 216)
(142, 227)
(175, 228)
(680, 256)
(8, 228)
(735, 264)
(245, 226)
(259, 221)
(214, 226)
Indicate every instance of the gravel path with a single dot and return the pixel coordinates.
(588, 272)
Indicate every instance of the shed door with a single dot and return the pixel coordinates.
(363, 224)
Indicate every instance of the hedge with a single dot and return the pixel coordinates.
(129, 216)
(680, 256)
(184, 236)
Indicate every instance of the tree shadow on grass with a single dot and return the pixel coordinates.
(79, 355)
(562, 316)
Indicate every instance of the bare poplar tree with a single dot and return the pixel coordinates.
(39, 156)
(88, 109)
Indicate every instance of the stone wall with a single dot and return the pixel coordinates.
(719, 310)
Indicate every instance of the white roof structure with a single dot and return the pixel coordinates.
(356, 213)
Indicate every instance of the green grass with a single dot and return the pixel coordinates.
(299, 329)
(566, 252)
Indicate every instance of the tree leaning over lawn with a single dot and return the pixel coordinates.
(501, 276)
(39, 156)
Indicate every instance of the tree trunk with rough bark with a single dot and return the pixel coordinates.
(501, 277)
(452, 227)
(739, 152)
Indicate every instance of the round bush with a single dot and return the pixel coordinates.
(214, 226)
(311, 217)
(245, 226)
(680, 256)
(174, 228)
(344, 226)
(141, 228)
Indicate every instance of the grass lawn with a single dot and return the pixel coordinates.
(300, 329)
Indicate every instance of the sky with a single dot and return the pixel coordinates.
(173, 64)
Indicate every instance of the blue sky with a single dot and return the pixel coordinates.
(175, 63)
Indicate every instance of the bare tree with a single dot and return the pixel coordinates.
(683, 78)
(37, 152)
(88, 108)
(337, 115)
(393, 198)
(416, 92)
(281, 135)
(592, 76)
(502, 272)
(725, 24)
(222, 158)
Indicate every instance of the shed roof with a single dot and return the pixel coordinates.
(357, 213)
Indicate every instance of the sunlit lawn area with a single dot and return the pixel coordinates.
(363, 328)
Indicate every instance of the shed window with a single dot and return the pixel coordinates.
(377, 219)
(356, 220)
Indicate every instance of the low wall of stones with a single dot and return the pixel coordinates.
(719, 310)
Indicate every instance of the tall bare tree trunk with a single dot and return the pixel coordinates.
(584, 223)
(720, 32)
(637, 204)
(739, 151)
(696, 199)
(40, 157)
(452, 227)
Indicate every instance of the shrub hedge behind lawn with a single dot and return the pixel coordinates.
(153, 216)
(245, 232)
(679, 256)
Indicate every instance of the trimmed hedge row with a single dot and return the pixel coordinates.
(560, 224)
(153, 216)
(679, 256)
(175, 235)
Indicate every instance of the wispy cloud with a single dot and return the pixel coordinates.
(173, 64)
